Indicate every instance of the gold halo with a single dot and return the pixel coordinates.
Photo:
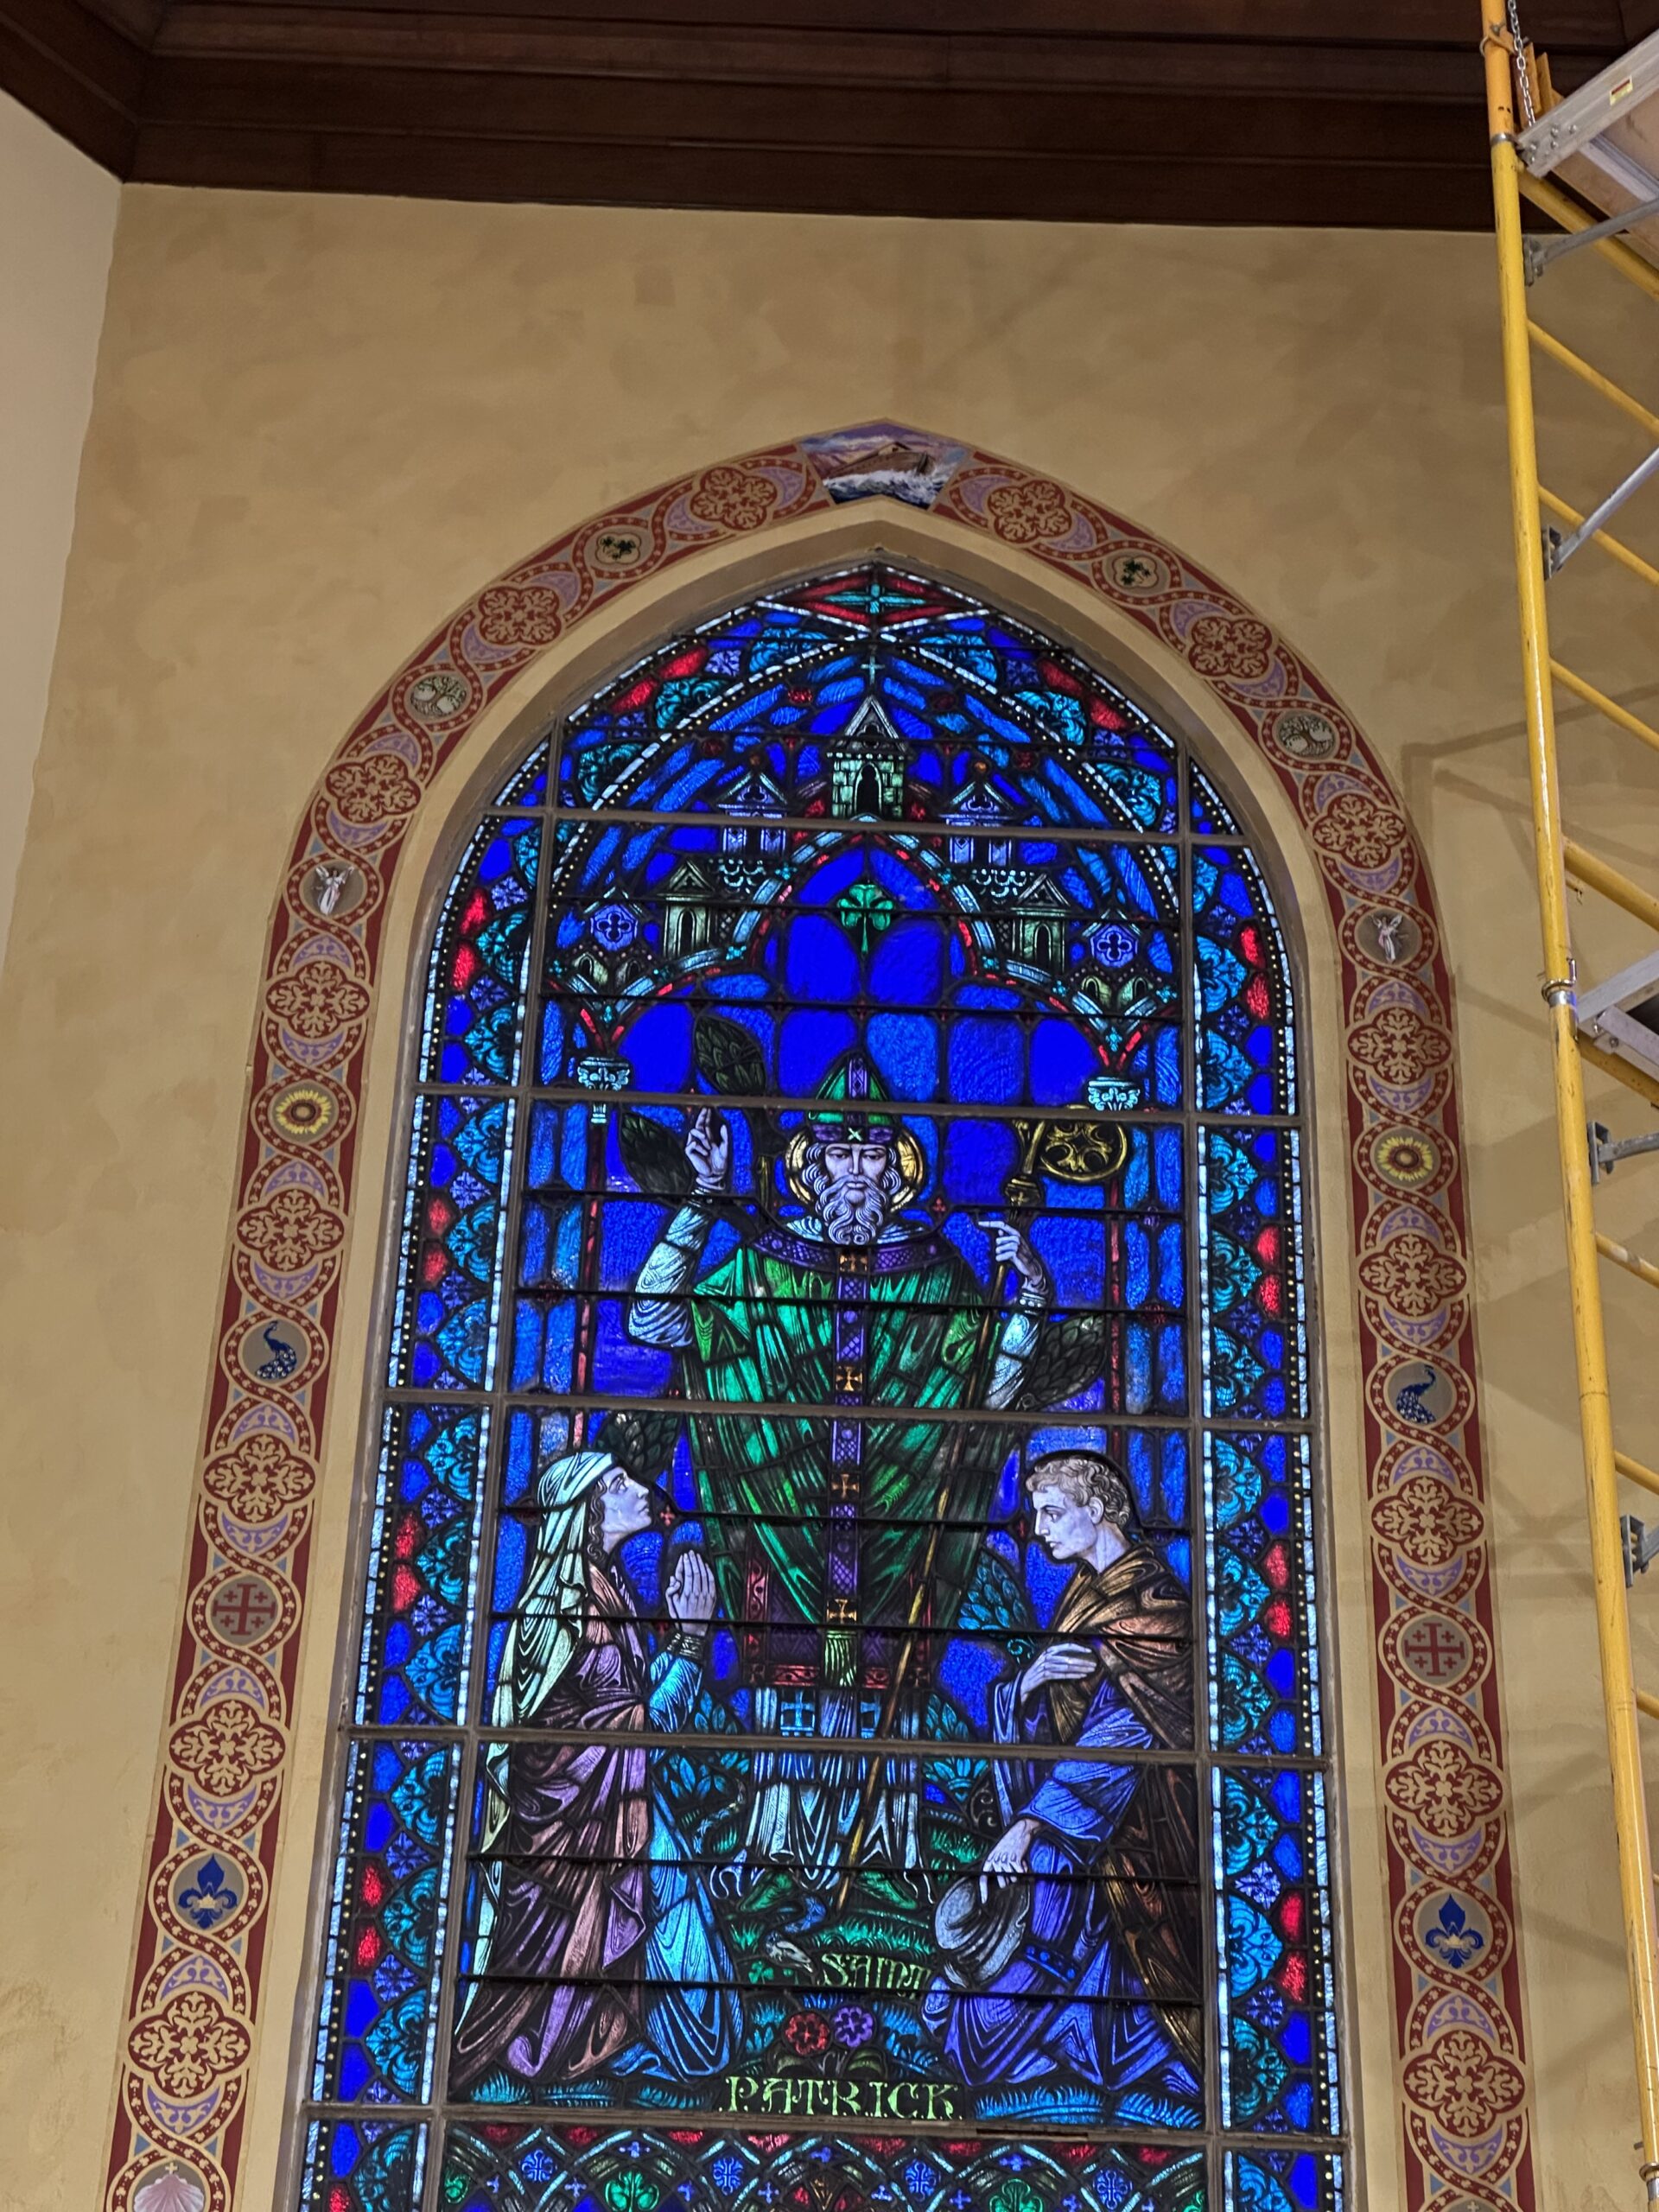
(908, 1156)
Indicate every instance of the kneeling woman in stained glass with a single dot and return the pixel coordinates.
(596, 1947)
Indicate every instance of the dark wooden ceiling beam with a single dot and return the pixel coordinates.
(1592, 24)
(78, 72)
(1314, 111)
(809, 120)
(406, 37)
(1131, 190)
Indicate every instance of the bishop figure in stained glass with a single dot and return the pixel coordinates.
(832, 1531)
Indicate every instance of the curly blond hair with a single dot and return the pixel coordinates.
(1088, 1478)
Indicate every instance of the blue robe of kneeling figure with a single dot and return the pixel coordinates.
(1068, 2028)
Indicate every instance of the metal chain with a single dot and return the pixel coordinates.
(1522, 74)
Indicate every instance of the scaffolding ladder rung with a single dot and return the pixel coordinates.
(1633, 1264)
(1625, 1071)
(1615, 394)
(1596, 874)
(1610, 544)
(1646, 1702)
(1634, 1471)
(1582, 688)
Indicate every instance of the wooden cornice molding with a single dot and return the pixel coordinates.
(1287, 111)
(80, 69)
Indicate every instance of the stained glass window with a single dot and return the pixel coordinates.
(838, 1715)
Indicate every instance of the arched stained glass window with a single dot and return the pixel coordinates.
(838, 1717)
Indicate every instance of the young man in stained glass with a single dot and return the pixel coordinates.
(840, 1539)
(1072, 1978)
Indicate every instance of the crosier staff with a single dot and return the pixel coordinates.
(1085, 1153)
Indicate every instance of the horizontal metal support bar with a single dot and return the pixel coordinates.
(1614, 547)
(1634, 1471)
(562, 1401)
(1559, 551)
(1605, 1152)
(1647, 1703)
(1596, 875)
(559, 2117)
(1625, 1071)
(574, 1093)
(1586, 373)
(1537, 253)
(904, 833)
(1627, 1149)
(1570, 216)
(1632, 1263)
(1582, 689)
(1573, 124)
(727, 1740)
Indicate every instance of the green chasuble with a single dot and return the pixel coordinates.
(818, 1521)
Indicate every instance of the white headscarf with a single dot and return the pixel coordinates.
(546, 1632)
(552, 1610)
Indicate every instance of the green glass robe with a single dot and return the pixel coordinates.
(764, 1327)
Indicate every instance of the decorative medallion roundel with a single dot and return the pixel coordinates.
(244, 1609)
(305, 1113)
(440, 695)
(1305, 735)
(333, 889)
(1404, 1159)
(274, 1352)
(1390, 935)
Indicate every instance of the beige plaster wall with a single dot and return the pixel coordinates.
(319, 425)
(57, 222)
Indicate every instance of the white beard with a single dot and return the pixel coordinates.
(853, 1210)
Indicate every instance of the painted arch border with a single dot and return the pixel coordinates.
(189, 2039)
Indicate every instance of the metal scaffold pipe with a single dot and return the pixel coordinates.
(1503, 62)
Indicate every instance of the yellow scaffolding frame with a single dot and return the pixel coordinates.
(1511, 74)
